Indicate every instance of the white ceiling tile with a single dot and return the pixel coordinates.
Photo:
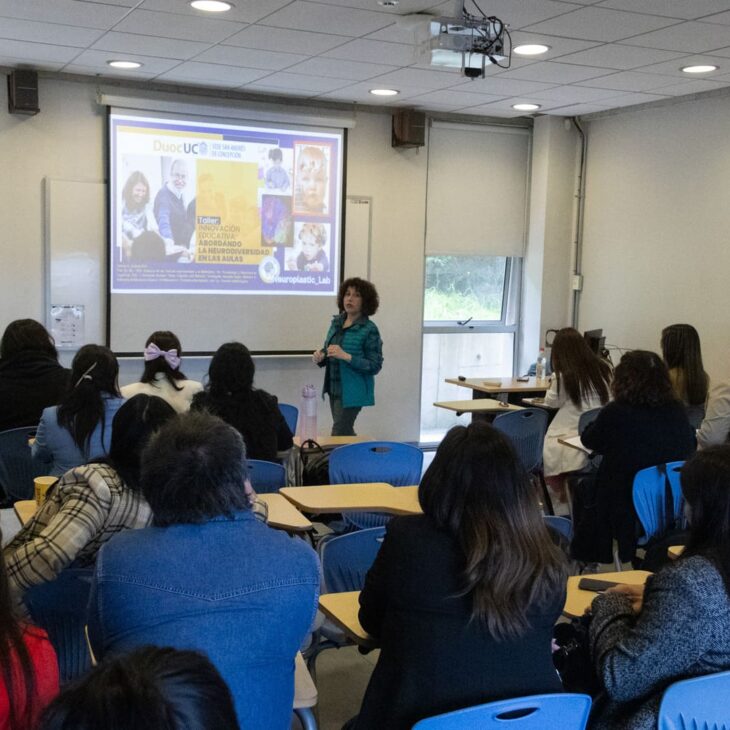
(674, 68)
(572, 95)
(136, 73)
(721, 18)
(368, 51)
(360, 93)
(575, 110)
(525, 12)
(554, 73)
(98, 60)
(394, 33)
(124, 3)
(335, 68)
(632, 99)
(184, 27)
(259, 87)
(302, 84)
(403, 8)
(689, 37)
(683, 9)
(303, 15)
(453, 99)
(249, 57)
(495, 109)
(213, 74)
(620, 57)
(268, 38)
(558, 46)
(68, 12)
(246, 11)
(694, 86)
(629, 81)
(600, 24)
(24, 51)
(499, 86)
(721, 52)
(147, 45)
(60, 35)
(419, 79)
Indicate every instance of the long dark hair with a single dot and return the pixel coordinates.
(477, 490)
(136, 177)
(94, 373)
(15, 661)
(230, 375)
(134, 424)
(581, 372)
(681, 351)
(705, 482)
(642, 379)
(26, 335)
(165, 340)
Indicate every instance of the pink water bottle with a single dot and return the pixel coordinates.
(309, 413)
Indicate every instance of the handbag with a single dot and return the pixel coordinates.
(315, 464)
(572, 659)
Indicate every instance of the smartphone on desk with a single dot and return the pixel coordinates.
(523, 379)
(596, 586)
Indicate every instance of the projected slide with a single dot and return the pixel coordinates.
(211, 208)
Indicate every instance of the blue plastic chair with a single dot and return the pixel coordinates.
(700, 703)
(60, 607)
(375, 461)
(291, 416)
(539, 712)
(266, 476)
(650, 499)
(586, 418)
(562, 525)
(16, 465)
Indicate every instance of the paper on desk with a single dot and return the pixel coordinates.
(575, 443)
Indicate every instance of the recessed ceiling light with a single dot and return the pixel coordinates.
(530, 49)
(211, 6)
(124, 64)
(384, 92)
(388, 3)
(525, 107)
(699, 69)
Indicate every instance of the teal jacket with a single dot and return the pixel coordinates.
(362, 341)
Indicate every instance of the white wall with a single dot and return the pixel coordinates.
(657, 227)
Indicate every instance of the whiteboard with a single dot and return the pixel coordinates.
(358, 222)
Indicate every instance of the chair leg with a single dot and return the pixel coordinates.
(547, 501)
(306, 718)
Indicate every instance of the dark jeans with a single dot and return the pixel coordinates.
(343, 419)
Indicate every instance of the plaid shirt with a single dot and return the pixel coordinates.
(83, 510)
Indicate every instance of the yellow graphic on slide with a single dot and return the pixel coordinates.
(227, 220)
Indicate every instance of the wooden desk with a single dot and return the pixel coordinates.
(367, 497)
(574, 442)
(675, 551)
(483, 406)
(342, 610)
(332, 442)
(25, 509)
(283, 515)
(577, 601)
(507, 385)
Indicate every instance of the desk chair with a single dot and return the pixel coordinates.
(573, 480)
(374, 461)
(701, 702)
(60, 608)
(539, 712)
(526, 430)
(305, 694)
(658, 499)
(291, 416)
(266, 476)
(16, 464)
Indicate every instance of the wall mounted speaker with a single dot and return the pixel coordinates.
(23, 92)
(409, 128)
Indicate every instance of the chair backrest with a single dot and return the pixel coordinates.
(562, 525)
(586, 418)
(16, 464)
(540, 712)
(650, 500)
(291, 415)
(60, 607)
(526, 429)
(376, 461)
(347, 558)
(266, 476)
(700, 703)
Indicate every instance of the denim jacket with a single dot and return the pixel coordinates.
(237, 590)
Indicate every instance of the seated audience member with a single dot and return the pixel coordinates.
(463, 598)
(644, 639)
(28, 666)
(230, 395)
(715, 427)
(209, 575)
(162, 376)
(89, 504)
(581, 383)
(645, 425)
(149, 689)
(683, 356)
(79, 429)
(31, 377)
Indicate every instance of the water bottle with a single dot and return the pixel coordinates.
(540, 366)
(309, 413)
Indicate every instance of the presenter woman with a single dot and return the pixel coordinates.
(352, 354)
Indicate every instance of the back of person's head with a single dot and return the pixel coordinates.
(149, 689)
(642, 379)
(681, 350)
(26, 335)
(231, 371)
(94, 372)
(705, 482)
(16, 667)
(477, 490)
(162, 354)
(133, 426)
(194, 469)
(582, 373)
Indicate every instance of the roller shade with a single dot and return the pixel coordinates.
(477, 190)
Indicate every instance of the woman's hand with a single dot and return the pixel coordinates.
(318, 356)
(338, 353)
(634, 592)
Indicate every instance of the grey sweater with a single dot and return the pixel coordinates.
(683, 631)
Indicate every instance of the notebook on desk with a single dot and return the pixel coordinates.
(574, 442)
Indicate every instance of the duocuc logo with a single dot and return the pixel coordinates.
(180, 148)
